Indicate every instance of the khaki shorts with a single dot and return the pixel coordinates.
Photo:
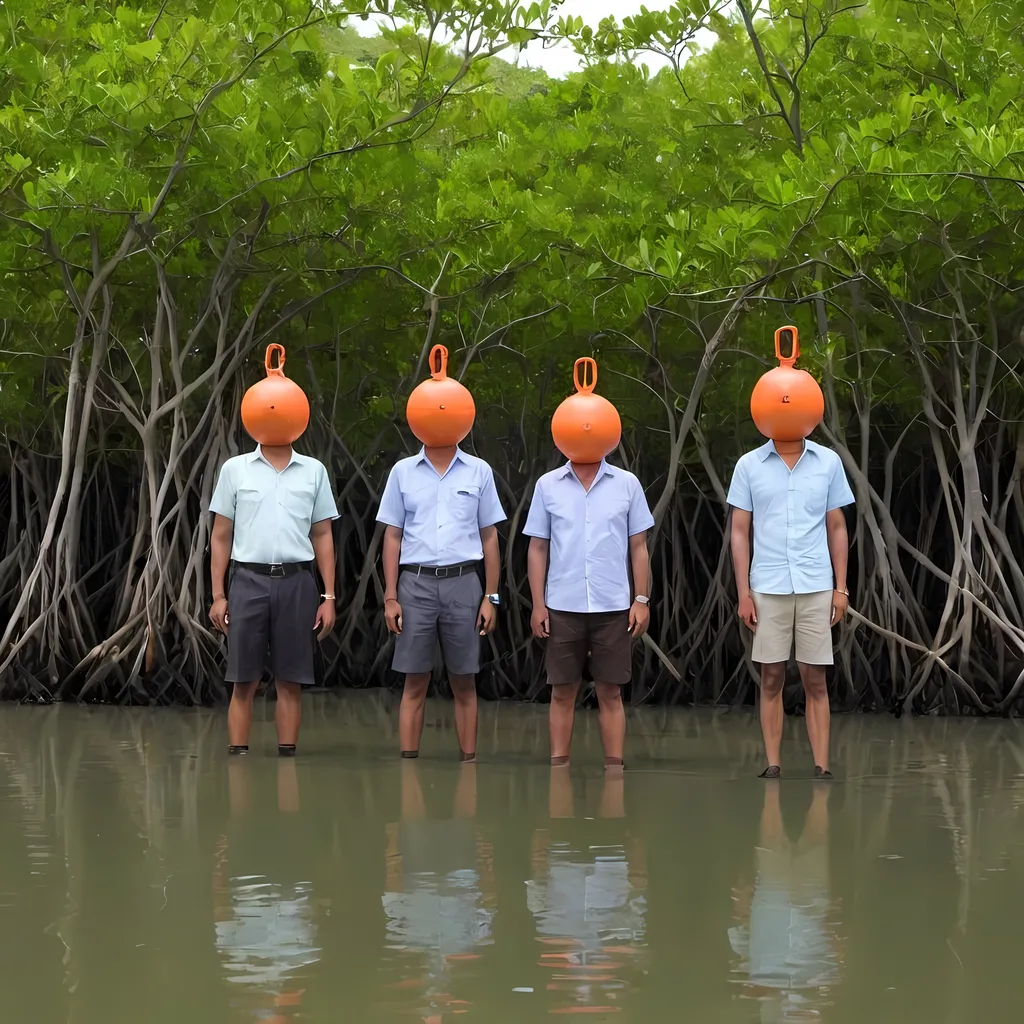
(781, 618)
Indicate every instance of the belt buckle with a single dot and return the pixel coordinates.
(276, 570)
(441, 572)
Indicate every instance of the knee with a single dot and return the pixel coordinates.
(243, 693)
(609, 697)
(290, 693)
(416, 688)
(563, 696)
(815, 686)
(463, 689)
(773, 678)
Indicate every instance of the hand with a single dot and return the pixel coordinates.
(840, 602)
(639, 619)
(748, 613)
(219, 615)
(393, 615)
(540, 623)
(487, 619)
(325, 616)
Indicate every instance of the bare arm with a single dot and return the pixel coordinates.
(537, 569)
(838, 545)
(390, 553)
(740, 543)
(220, 554)
(322, 538)
(492, 559)
(640, 560)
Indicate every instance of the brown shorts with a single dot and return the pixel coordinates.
(596, 642)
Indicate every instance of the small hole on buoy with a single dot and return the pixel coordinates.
(271, 407)
(586, 426)
(440, 407)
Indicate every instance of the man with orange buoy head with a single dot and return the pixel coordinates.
(273, 510)
(791, 492)
(440, 510)
(587, 525)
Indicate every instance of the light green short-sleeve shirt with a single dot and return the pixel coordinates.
(273, 512)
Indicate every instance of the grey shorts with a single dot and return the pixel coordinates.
(275, 616)
(434, 607)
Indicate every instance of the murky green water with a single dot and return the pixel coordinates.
(143, 877)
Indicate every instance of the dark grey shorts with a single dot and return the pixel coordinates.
(275, 615)
(598, 642)
(434, 607)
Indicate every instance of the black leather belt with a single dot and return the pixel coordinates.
(441, 572)
(275, 569)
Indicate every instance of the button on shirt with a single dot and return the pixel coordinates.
(791, 553)
(440, 515)
(588, 531)
(273, 512)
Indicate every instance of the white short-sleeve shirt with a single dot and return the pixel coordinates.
(791, 553)
(441, 515)
(273, 511)
(588, 531)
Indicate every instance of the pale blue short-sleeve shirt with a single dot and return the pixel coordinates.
(588, 534)
(791, 553)
(441, 515)
(273, 512)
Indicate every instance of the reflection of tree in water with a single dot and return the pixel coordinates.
(786, 940)
(587, 897)
(439, 896)
(265, 928)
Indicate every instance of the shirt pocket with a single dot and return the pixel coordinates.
(811, 495)
(466, 505)
(298, 499)
(247, 502)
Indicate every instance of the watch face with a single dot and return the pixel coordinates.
(494, 599)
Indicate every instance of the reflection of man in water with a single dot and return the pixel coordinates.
(587, 897)
(789, 947)
(265, 928)
(440, 883)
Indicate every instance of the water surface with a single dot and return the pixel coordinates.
(145, 877)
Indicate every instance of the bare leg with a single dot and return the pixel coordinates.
(287, 786)
(611, 716)
(772, 679)
(289, 713)
(817, 713)
(560, 797)
(613, 796)
(240, 713)
(561, 716)
(464, 690)
(465, 792)
(410, 716)
(773, 832)
(239, 788)
(413, 805)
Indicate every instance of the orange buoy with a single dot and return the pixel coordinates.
(440, 411)
(275, 410)
(786, 403)
(586, 427)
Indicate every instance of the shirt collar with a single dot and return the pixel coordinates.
(459, 456)
(769, 448)
(256, 455)
(603, 470)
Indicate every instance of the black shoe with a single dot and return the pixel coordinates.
(820, 773)
(238, 748)
(286, 750)
(773, 771)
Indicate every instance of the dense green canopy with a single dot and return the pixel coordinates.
(183, 182)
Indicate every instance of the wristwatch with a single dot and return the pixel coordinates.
(642, 599)
(495, 599)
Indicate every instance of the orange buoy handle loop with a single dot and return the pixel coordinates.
(439, 362)
(278, 370)
(794, 355)
(583, 385)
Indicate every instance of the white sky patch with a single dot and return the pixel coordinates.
(561, 60)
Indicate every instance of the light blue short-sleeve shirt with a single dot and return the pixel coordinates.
(791, 553)
(441, 515)
(588, 534)
(273, 512)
